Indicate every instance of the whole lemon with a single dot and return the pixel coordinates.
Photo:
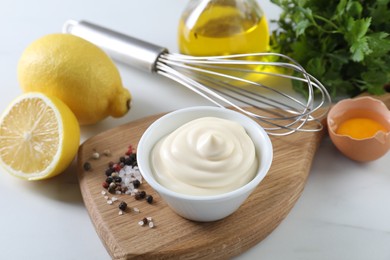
(77, 72)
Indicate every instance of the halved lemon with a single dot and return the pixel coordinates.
(39, 136)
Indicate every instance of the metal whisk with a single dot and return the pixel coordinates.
(240, 82)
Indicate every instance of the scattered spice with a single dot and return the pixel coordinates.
(87, 166)
(136, 184)
(123, 177)
(123, 206)
(140, 195)
(95, 155)
(107, 152)
(149, 199)
(147, 221)
(105, 184)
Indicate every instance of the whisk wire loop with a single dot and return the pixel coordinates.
(256, 84)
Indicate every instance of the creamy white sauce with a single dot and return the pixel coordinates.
(206, 156)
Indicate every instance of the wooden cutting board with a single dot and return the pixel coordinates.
(174, 237)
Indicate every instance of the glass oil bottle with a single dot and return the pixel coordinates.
(222, 27)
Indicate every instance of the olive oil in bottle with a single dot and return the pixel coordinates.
(222, 27)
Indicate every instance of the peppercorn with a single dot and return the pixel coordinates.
(149, 199)
(111, 164)
(128, 161)
(145, 220)
(109, 179)
(123, 206)
(140, 195)
(109, 171)
(136, 184)
(105, 185)
(137, 196)
(122, 159)
(112, 185)
(117, 167)
(133, 157)
(87, 166)
(111, 190)
(117, 179)
(107, 152)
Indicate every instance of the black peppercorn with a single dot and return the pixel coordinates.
(128, 161)
(87, 166)
(123, 206)
(133, 157)
(145, 220)
(109, 171)
(109, 179)
(136, 184)
(122, 159)
(117, 179)
(149, 199)
(140, 195)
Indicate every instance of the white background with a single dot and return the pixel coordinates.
(343, 213)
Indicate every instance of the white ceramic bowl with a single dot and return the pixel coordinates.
(203, 208)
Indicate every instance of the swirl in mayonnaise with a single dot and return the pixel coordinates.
(206, 156)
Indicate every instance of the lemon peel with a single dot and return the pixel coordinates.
(39, 137)
(76, 71)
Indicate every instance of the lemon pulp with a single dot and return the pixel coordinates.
(39, 137)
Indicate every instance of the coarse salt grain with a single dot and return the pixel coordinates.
(109, 202)
(151, 224)
(95, 155)
(120, 212)
(128, 174)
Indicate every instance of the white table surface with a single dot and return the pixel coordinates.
(343, 213)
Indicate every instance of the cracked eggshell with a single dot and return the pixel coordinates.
(361, 150)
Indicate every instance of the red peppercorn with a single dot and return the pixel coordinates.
(117, 167)
(105, 185)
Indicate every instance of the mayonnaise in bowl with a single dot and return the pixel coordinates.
(206, 156)
(213, 164)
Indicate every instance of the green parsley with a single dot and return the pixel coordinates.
(345, 44)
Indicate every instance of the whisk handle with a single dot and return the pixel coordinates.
(121, 47)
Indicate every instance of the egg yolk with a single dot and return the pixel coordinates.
(360, 128)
